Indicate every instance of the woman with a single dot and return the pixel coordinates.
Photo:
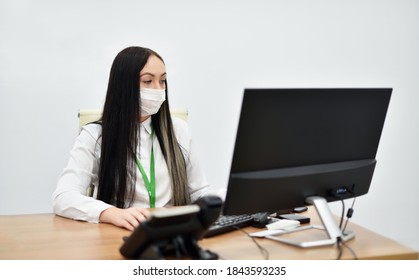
(136, 157)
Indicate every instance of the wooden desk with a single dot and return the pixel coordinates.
(48, 237)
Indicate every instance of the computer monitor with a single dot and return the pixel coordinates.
(305, 146)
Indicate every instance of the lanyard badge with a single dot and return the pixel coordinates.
(149, 184)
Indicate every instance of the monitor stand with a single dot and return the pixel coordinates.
(329, 225)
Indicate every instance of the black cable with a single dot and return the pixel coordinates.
(350, 249)
(343, 214)
(349, 215)
(343, 208)
(178, 248)
(340, 242)
(262, 249)
(340, 248)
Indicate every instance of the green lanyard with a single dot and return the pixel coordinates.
(149, 184)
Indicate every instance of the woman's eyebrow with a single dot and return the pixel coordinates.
(147, 73)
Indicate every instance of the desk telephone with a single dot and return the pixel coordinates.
(174, 232)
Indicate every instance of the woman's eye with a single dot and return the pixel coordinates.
(163, 81)
(147, 82)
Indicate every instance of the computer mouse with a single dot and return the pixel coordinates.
(260, 220)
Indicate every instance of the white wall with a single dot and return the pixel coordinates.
(55, 58)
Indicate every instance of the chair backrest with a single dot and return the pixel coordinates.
(90, 115)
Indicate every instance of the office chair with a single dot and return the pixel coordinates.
(91, 115)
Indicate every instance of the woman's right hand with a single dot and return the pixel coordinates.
(129, 218)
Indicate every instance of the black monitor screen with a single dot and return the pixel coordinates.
(295, 143)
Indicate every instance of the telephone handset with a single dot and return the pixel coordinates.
(174, 232)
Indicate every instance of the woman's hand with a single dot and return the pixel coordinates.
(129, 218)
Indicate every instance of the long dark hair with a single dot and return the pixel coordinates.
(120, 134)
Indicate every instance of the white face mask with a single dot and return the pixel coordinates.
(151, 100)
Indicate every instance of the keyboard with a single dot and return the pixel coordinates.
(226, 223)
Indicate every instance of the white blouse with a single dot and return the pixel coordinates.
(70, 197)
